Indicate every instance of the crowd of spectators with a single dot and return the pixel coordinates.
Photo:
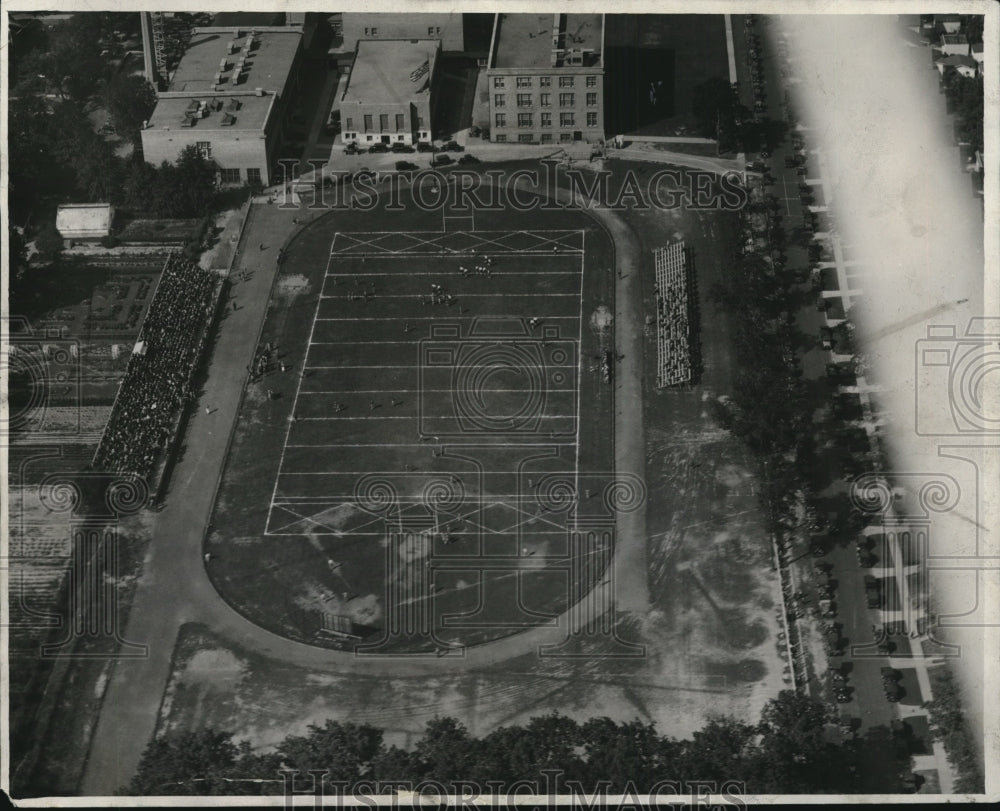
(157, 381)
(672, 317)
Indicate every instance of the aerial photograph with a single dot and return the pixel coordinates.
(438, 405)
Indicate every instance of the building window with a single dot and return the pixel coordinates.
(253, 177)
(525, 138)
(500, 139)
(546, 119)
(524, 81)
(591, 81)
(430, 30)
(420, 121)
(565, 81)
(374, 32)
(591, 119)
(524, 99)
(498, 82)
(230, 175)
(524, 119)
(350, 124)
(545, 81)
(383, 122)
(545, 99)
(501, 120)
(566, 99)
(565, 137)
(400, 137)
(368, 138)
(368, 123)
(499, 100)
(367, 31)
(204, 149)
(546, 137)
(591, 99)
(567, 120)
(400, 126)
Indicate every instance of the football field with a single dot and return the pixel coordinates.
(448, 432)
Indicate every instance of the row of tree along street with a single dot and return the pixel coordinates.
(796, 747)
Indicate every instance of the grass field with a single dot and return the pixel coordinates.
(419, 463)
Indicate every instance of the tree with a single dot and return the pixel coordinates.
(131, 100)
(138, 185)
(186, 763)
(48, 241)
(445, 752)
(715, 107)
(624, 753)
(17, 252)
(795, 753)
(345, 750)
(194, 183)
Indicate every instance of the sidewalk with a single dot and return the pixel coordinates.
(161, 605)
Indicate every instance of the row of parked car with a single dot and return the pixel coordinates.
(353, 149)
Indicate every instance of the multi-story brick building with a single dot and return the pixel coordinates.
(389, 96)
(229, 97)
(546, 78)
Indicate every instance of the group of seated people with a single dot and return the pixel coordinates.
(672, 326)
(157, 380)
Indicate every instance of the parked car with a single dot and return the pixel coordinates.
(423, 146)
(406, 166)
(401, 147)
(378, 148)
(893, 692)
(826, 337)
(467, 158)
(475, 132)
(441, 160)
(453, 146)
(352, 149)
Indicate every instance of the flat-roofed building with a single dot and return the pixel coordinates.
(84, 222)
(229, 97)
(953, 44)
(389, 96)
(445, 27)
(545, 78)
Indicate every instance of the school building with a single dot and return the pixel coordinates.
(229, 97)
(389, 95)
(545, 78)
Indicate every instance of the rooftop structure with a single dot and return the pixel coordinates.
(84, 220)
(228, 97)
(248, 19)
(547, 40)
(391, 71)
(236, 57)
(545, 78)
(388, 96)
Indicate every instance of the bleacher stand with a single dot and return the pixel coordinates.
(672, 321)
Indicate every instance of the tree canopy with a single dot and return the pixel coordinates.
(789, 750)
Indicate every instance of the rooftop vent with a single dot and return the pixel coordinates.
(259, 91)
(228, 120)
